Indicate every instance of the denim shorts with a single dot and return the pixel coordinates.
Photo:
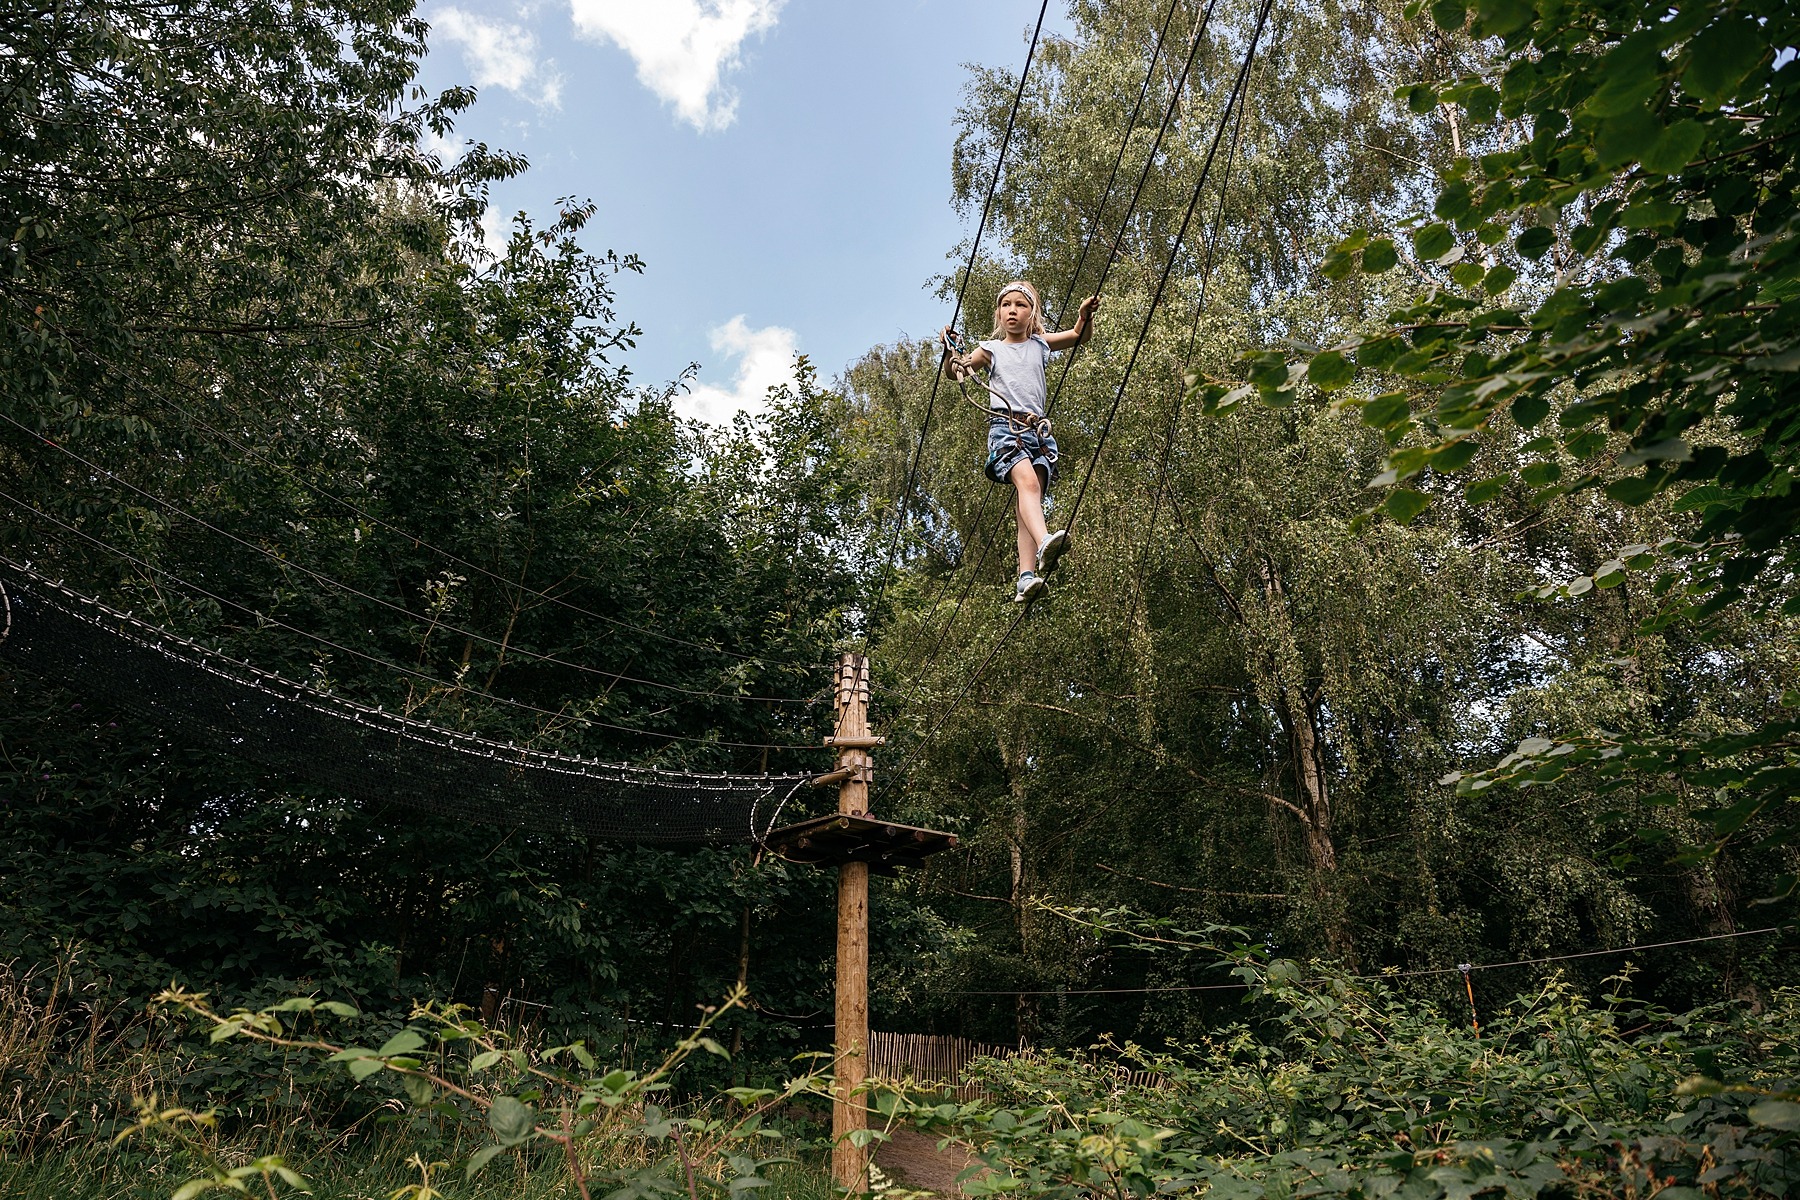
(1007, 446)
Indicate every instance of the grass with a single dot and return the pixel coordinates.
(371, 1172)
(75, 1064)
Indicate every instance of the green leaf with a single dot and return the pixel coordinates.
(1676, 148)
(1379, 257)
(1403, 504)
(1541, 474)
(362, 1068)
(418, 1088)
(1652, 214)
(1628, 76)
(1501, 17)
(1484, 490)
(1667, 450)
(1774, 1114)
(1528, 408)
(486, 1059)
(1449, 15)
(1467, 274)
(1269, 369)
(1498, 279)
(1455, 200)
(480, 1159)
(1420, 99)
(1387, 410)
(1338, 264)
(1330, 371)
(1634, 491)
(511, 1121)
(1455, 456)
(1534, 242)
(1721, 57)
(404, 1042)
(1627, 137)
(1433, 241)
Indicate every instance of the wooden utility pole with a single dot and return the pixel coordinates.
(849, 1112)
(855, 843)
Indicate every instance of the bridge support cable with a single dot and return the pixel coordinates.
(1225, 120)
(1162, 284)
(288, 563)
(961, 291)
(1197, 40)
(1212, 245)
(70, 535)
(1068, 296)
(361, 751)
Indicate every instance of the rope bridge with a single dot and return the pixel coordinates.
(361, 751)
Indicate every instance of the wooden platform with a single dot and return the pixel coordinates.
(840, 838)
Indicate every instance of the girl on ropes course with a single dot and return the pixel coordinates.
(1021, 449)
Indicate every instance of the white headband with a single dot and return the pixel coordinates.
(1019, 288)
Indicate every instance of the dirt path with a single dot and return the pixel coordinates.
(912, 1159)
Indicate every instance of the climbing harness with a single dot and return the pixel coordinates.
(1019, 422)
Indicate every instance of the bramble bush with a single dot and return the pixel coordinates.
(1342, 1088)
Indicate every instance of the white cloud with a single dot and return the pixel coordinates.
(682, 48)
(501, 54)
(765, 360)
(449, 152)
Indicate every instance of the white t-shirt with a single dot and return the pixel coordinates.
(1018, 374)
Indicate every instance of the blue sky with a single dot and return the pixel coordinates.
(782, 166)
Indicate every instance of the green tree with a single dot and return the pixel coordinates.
(1614, 286)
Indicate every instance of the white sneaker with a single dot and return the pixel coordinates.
(1051, 549)
(1031, 587)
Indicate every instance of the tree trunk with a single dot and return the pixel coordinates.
(1300, 711)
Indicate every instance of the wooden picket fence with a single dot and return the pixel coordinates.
(927, 1060)
(936, 1062)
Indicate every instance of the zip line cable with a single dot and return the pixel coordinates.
(175, 406)
(374, 660)
(1150, 163)
(962, 288)
(1163, 127)
(1074, 279)
(613, 678)
(1212, 243)
(1225, 118)
(1457, 970)
(1156, 299)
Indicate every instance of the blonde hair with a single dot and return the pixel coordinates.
(1037, 308)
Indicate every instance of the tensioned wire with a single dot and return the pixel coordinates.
(360, 751)
(374, 660)
(1458, 970)
(1112, 256)
(1262, 17)
(1068, 360)
(1225, 118)
(287, 562)
(961, 289)
(163, 398)
(1212, 243)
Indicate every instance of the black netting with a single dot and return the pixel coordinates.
(360, 751)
